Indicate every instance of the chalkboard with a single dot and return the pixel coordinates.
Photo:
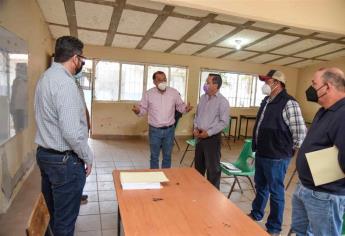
(13, 85)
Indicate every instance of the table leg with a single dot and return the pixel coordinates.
(118, 221)
(245, 135)
(239, 130)
(235, 134)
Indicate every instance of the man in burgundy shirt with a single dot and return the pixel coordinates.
(160, 102)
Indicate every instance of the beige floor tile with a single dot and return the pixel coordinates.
(88, 223)
(107, 195)
(91, 208)
(108, 207)
(109, 221)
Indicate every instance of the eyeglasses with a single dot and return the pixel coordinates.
(82, 59)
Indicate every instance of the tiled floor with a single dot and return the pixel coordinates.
(99, 215)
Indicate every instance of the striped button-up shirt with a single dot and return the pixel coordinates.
(60, 113)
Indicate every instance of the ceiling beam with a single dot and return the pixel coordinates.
(71, 17)
(100, 2)
(156, 25)
(114, 22)
(233, 32)
(196, 28)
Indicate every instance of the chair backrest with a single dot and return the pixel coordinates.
(39, 218)
(241, 162)
(227, 128)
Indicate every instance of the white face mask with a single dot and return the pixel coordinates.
(162, 86)
(266, 89)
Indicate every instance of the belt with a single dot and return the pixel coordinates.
(163, 127)
(53, 151)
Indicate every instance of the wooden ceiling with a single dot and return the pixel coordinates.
(147, 25)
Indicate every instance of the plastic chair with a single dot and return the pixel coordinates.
(190, 143)
(225, 134)
(242, 163)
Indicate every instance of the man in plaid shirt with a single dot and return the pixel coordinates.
(278, 133)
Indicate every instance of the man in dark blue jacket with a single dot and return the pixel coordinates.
(278, 132)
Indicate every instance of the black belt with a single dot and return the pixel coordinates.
(163, 127)
(53, 151)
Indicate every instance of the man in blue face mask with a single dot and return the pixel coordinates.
(319, 210)
(278, 132)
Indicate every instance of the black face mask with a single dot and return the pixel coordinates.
(311, 93)
(80, 68)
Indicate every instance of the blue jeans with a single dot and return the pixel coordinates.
(161, 138)
(269, 182)
(63, 180)
(316, 213)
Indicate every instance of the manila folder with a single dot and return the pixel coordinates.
(324, 165)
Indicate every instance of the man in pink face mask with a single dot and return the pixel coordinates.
(278, 132)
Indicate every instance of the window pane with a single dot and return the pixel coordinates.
(229, 86)
(85, 79)
(132, 79)
(244, 91)
(151, 70)
(107, 81)
(178, 77)
(259, 95)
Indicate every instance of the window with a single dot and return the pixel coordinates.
(116, 81)
(107, 81)
(241, 90)
(176, 77)
(132, 78)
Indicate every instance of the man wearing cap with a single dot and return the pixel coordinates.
(278, 132)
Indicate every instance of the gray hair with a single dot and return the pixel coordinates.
(335, 77)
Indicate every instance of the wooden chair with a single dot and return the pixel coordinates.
(39, 219)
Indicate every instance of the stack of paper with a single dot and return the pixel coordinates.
(142, 180)
(324, 165)
(229, 166)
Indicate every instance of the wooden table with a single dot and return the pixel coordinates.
(187, 205)
(245, 117)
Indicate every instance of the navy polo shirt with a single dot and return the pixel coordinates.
(327, 130)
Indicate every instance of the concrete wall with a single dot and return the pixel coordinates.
(17, 155)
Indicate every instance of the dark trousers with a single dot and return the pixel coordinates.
(269, 182)
(63, 180)
(207, 158)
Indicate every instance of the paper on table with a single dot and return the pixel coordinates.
(324, 165)
(143, 177)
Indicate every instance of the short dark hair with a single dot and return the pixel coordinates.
(66, 47)
(157, 73)
(216, 79)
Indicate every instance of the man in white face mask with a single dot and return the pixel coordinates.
(160, 103)
(278, 132)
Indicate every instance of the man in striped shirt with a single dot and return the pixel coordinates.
(278, 133)
(63, 154)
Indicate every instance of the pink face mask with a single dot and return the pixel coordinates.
(205, 88)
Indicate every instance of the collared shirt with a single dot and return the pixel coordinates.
(293, 118)
(161, 106)
(327, 130)
(212, 114)
(60, 113)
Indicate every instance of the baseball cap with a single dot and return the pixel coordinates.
(273, 74)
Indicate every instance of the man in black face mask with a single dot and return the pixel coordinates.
(63, 154)
(319, 210)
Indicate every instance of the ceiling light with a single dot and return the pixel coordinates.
(238, 44)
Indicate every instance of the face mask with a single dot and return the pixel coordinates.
(162, 86)
(311, 94)
(77, 71)
(266, 89)
(205, 88)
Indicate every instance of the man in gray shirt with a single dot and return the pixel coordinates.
(63, 154)
(211, 117)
